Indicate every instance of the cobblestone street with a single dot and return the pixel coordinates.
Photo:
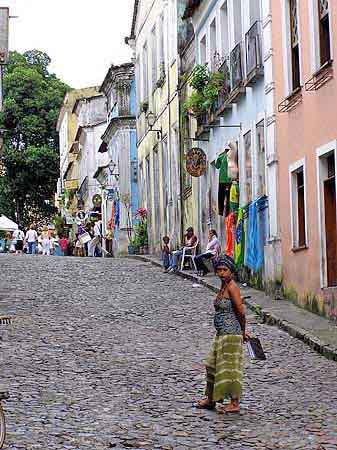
(107, 353)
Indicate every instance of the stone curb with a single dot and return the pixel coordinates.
(267, 317)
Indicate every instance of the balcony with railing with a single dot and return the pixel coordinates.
(236, 68)
(253, 50)
(221, 102)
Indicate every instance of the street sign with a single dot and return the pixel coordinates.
(196, 162)
(80, 215)
(71, 184)
(70, 220)
(4, 19)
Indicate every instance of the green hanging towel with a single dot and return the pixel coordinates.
(239, 250)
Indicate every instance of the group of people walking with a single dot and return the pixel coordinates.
(45, 242)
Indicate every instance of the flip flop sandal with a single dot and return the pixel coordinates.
(223, 411)
(209, 406)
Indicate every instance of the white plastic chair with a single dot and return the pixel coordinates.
(191, 255)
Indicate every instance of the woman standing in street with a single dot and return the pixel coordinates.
(224, 364)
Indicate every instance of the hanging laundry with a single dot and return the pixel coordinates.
(230, 224)
(117, 213)
(224, 199)
(263, 222)
(239, 250)
(234, 197)
(224, 184)
(255, 253)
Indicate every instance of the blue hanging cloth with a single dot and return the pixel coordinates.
(255, 254)
(117, 213)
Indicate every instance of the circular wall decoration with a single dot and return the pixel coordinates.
(196, 162)
(97, 200)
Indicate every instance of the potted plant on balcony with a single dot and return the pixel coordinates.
(141, 231)
(207, 88)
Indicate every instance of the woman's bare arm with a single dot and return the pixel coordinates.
(239, 307)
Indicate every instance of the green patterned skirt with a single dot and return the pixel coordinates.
(224, 367)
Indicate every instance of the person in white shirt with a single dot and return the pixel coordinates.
(31, 238)
(46, 244)
(213, 250)
(18, 236)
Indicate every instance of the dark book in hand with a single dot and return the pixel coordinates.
(255, 349)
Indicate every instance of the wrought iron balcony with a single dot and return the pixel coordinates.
(221, 101)
(236, 67)
(254, 64)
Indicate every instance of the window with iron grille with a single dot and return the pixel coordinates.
(324, 31)
(294, 42)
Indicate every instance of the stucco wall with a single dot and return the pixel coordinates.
(300, 132)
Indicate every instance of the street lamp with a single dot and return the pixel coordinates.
(151, 120)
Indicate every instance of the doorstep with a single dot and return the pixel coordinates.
(316, 331)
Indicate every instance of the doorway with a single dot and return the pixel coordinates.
(329, 191)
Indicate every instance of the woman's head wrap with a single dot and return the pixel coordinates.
(225, 261)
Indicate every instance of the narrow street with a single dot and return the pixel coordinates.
(107, 353)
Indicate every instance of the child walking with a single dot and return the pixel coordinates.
(166, 253)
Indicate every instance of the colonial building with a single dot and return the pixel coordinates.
(91, 114)
(118, 173)
(67, 126)
(154, 40)
(306, 95)
(232, 103)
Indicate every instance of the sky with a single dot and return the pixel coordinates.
(82, 37)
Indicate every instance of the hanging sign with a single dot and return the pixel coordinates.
(111, 194)
(80, 215)
(97, 200)
(196, 162)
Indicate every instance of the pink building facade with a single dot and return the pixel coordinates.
(305, 75)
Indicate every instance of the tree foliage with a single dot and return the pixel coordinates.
(32, 100)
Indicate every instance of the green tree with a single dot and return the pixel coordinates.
(30, 160)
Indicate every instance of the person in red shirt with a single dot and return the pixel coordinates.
(64, 245)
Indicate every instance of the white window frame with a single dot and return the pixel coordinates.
(321, 153)
(222, 34)
(286, 37)
(314, 35)
(154, 56)
(204, 36)
(145, 72)
(293, 170)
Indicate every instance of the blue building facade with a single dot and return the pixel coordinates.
(231, 41)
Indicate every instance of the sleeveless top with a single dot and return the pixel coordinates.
(225, 320)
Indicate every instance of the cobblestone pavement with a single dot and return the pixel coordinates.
(108, 353)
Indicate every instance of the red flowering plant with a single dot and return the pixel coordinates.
(141, 214)
(141, 227)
